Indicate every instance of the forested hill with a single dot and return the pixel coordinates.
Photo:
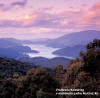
(10, 66)
(45, 62)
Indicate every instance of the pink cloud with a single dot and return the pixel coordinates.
(79, 19)
(84, 19)
(91, 18)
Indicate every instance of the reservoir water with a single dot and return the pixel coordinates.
(44, 51)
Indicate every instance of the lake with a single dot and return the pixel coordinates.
(44, 51)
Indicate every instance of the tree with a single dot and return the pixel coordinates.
(85, 71)
(58, 68)
(91, 57)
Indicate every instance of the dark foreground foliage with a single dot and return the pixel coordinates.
(82, 73)
(29, 85)
(10, 66)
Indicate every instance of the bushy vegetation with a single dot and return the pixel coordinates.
(84, 72)
(29, 85)
(10, 66)
(81, 73)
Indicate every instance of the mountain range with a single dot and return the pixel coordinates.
(74, 38)
(45, 62)
(73, 51)
(71, 44)
(13, 48)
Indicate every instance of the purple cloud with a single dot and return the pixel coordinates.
(19, 3)
(4, 7)
(65, 20)
(1, 6)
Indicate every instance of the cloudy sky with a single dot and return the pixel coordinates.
(31, 19)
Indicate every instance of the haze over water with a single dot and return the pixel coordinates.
(44, 51)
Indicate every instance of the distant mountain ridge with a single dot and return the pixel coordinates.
(9, 42)
(73, 51)
(73, 39)
(45, 62)
(13, 48)
(70, 44)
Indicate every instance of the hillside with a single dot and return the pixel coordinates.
(45, 62)
(13, 48)
(74, 38)
(10, 66)
(73, 51)
(84, 72)
(9, 42)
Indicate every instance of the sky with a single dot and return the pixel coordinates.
(35, 19)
